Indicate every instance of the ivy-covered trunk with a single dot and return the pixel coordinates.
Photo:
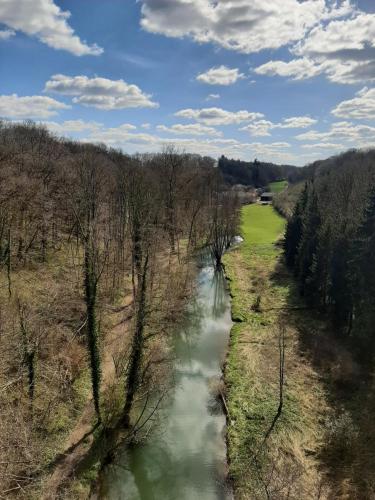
(92, 327)
(133, 378)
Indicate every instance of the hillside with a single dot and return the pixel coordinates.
(96, 265)
(259, 174)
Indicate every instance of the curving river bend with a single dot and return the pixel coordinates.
(185, 459)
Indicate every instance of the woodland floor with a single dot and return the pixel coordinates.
(81, 438)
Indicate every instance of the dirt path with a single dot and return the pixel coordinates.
(80, 438)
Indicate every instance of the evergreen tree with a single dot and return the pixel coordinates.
(308, 244)
(294, 228)
(361, 274)
(340, 291)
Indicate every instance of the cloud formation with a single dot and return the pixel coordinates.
(72, 126)
(36, 106)
(190, 129)
(343, 50)
(361, 107)
(6, 34)
(47, 22)
(212, 97)
(355, 135)
(220, 75)
(100, 93)
(261, 128)
(218, 116)
(239, 24)
(129, 140)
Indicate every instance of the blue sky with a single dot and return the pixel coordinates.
(284, 80)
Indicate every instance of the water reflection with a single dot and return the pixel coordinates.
(185, 458)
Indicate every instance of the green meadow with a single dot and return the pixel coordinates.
(278, 186)
(261, 226)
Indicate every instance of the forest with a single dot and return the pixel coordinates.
(103, 258)
(259, 174)
(330, 245)
(96, 256)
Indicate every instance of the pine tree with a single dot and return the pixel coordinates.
(361, 274)
(308, 245)
(319, 280)
(294, 228)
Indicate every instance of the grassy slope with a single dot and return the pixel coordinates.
(284, 466)
(278, 186)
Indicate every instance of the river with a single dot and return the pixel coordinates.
(185, 457)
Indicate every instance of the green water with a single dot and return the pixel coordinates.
(185, 457)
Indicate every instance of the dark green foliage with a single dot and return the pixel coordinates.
(362, 271)
(293, 231)
(330, 243)
(308, 243)
(260, 174)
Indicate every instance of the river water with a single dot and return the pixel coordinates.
(185, 457)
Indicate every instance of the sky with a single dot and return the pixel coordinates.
(287, 81)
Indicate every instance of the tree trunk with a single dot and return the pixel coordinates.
(132, 381)
(92, 328)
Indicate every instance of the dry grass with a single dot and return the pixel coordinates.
(169, 288)
(285, 465)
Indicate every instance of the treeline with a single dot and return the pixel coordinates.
(330, 244)
(81, 227)
(260, 174)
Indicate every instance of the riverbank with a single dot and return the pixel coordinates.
(273, 452)
(185, 456)
(173, 286)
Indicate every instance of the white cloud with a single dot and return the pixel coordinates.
(46, 21)
(217, 116)
(121, 137)
(13, 106)
(361, 107)
(212, 97)
(221, 75)
(146, 126)
(261, 128)
(323, 145)
(126, 138)
(100, 93)
(6, 34)
(190, 129)
(239, 24)
(72, 126)
(354, 135)
(297, 69)
(343, 50)
(297, 122)
(348, 34)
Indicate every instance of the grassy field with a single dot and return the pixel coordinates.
(278, 186)
(261, 227)
(284, 464)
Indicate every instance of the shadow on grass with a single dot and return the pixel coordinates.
(347, 453)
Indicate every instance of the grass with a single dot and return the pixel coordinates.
(278, 186)
(262, 292)
(261, 227)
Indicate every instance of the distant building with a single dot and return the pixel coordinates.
(266, 198)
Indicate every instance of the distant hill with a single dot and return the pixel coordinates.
(353, 165)
(260, 174)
